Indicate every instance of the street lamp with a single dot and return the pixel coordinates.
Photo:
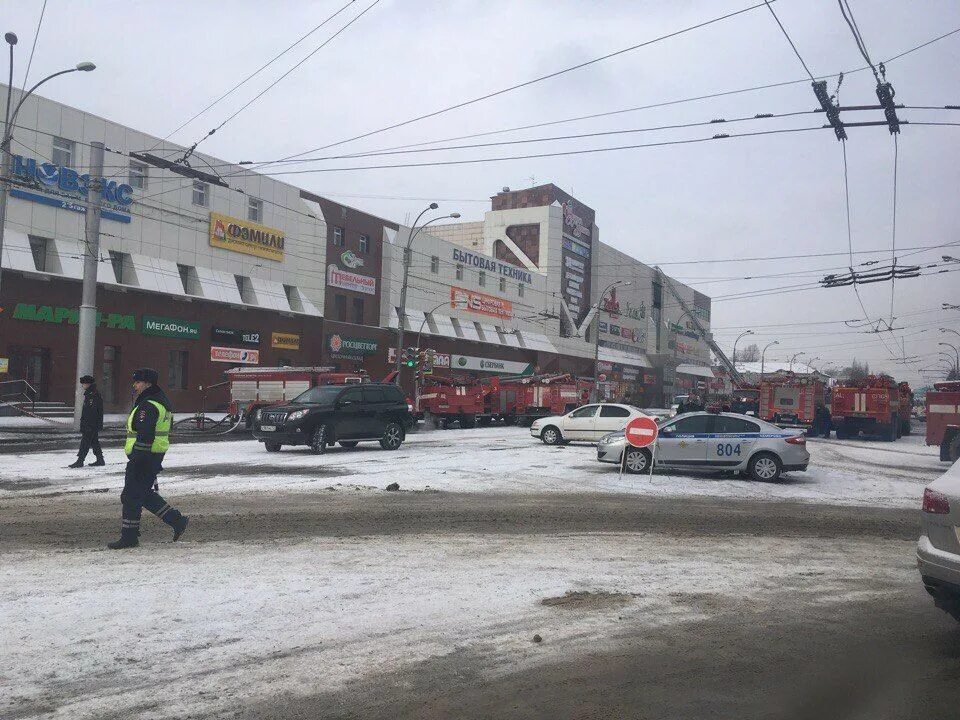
(414, 231)
(596, 336)
(763, 356)
(795, 356)
(946, 330)
(746, 332)
(811, 361)
(10, 120)
(956, 353)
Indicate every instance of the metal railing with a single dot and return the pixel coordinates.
(27, 391)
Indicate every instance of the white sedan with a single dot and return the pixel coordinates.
(938, 552)
(589, 422)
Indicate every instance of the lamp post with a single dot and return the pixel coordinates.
(811, 361)
(596, 336)
(948, 330)
(746, 332)
(763, 357)
(795, 356)
(402, 316)
(10, 120)
(956, 353)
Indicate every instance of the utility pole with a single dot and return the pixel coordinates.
(87, 328)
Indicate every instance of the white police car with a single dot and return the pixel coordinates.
(715, 441)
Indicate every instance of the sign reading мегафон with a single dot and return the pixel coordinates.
(170, 327)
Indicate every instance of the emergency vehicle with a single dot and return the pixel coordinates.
(446, 400)
(791, 400)
(943, 419)
(252, 388)
(870, 406)
(546, 395)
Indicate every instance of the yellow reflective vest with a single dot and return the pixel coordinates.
(161, 438)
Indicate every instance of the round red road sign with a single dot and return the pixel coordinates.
(641, 431)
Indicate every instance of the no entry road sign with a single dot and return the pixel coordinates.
(642, 431)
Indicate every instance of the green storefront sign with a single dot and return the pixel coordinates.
(170, 327)
(71, 316)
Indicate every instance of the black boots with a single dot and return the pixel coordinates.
(78, 463)
(125, 541)
(180, 527)
(99, 463)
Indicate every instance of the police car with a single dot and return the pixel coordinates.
(715, 441)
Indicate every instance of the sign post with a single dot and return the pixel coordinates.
(640, 432)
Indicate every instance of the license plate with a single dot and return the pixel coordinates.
(268, 428)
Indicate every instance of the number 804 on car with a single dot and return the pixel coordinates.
(715, 441)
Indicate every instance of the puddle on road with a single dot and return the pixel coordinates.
(23, 484)
(203, 472)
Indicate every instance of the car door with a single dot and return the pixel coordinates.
(349, 413)
(733, 440)
(580, 424)
(611, 419)
(373, 417)
(683, 442)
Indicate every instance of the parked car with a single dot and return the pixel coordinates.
(589, 422)
(324, 415)
(715, 441)
(938, 551)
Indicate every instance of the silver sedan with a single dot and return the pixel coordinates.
(715, 441)
(938, 552)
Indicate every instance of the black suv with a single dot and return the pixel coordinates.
(328, 414)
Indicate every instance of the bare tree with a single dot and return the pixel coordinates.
(751, 353)
(856, 371)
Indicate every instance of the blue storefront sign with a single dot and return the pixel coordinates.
(65, 188)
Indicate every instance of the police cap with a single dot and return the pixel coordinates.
(147, 375)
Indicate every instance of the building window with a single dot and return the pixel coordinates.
(358, 311)
(364, 244)
(201, 193)
(482, 278)
(459, 271)
(62, 152)
(137, 176)
(177, 370)
(520, 289)
(435, 265)
(340, 308)
(254, 210)
(503, 284)
(338, 236)
(38, 246)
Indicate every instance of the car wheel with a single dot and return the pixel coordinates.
(348, 443)
(318, 441)
(468, 422)
(551, 436)
(907, 428)
(765, 467)
(637, 461)
(392, 437)
(272, 447)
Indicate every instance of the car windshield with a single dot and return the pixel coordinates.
(320, 395)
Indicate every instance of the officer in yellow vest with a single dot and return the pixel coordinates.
(148, 438)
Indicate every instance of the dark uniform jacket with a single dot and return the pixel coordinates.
(91, 416)
(145, 417)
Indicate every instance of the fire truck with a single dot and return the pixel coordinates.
(870, 406)
(545, 395)
(791, 400)
(943, 419)
(256, 387)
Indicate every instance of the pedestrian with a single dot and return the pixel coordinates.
(148, 438)
(91, 423)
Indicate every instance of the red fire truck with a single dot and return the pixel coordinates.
(870, 406)
(545, 395)
(791, 400)
(256, 387)
(469, 402)
(943, 419)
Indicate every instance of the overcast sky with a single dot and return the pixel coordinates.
(158, 63)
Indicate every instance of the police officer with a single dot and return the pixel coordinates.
(148, 438)
(91, 423)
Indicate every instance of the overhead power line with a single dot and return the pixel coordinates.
(533, 81)
(33, 48)
(790, 40)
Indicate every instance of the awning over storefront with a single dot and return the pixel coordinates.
(218, 285)
(698, 370)
(467, 330)
(611, 355)
(509, 337)
(17, 254)
(443, 325)
(536, 341)
(489, 334)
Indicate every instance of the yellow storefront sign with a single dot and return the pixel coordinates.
(286, 341)
(246, 237)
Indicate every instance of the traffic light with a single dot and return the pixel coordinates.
(409, 357)
(429, 357)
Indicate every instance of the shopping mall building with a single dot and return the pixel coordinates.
(205, 268)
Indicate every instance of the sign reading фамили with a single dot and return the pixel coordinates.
(246, 237)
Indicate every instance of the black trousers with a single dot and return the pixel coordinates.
(89, 440)
(138, 493)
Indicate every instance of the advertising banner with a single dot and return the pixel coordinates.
(342, 346)
(246, 237)
(285, 341)
(510, 367)
(170, 327)
(346, 280)
(481, 304)
(234, 336)
(237, 356)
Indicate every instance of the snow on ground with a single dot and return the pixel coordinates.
(499, 460)
(172, 631)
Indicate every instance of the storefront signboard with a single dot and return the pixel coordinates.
(237, 356)
(342, 346)
(346, 280)
(285, 341)
(249, 238)
(170, 327)
(71, 316)
(234, 336)
(488, 264)
(480, 303)
(4, 365)
(512, 367)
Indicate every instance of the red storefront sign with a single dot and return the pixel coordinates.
(481, 304)
(235, 355)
